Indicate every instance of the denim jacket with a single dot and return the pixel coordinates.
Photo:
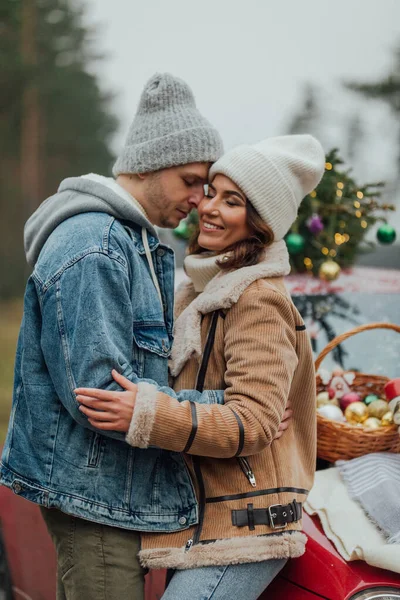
(91, 305)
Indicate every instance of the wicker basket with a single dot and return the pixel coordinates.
(338, 440)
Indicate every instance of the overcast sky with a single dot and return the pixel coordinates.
(246, 60)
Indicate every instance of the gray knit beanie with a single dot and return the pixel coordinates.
(168, 130)
(275, 175)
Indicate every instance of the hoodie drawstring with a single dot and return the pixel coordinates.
(150, 261)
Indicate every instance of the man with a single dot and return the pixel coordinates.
(101, 297)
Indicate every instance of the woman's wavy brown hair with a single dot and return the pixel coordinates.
(247, 252)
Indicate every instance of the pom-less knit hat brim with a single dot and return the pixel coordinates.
(275, 175)
(178, 148)
(168, 130)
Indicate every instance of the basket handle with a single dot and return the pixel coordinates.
(342, 337)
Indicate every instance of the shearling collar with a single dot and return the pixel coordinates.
(222, 292)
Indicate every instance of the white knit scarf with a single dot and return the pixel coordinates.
(221, 292)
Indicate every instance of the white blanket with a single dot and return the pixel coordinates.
(344, 522)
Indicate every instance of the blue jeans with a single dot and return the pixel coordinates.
(223, 583)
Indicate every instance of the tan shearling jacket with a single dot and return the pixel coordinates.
(262, 358)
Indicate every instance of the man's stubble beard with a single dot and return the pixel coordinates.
(159, 202)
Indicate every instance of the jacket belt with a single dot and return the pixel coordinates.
(276, 516)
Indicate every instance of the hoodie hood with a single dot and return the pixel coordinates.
(89, 193)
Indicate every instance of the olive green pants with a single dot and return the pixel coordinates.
(94, 561)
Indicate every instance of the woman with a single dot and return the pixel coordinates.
(238, 330)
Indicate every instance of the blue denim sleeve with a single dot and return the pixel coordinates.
(205, 397)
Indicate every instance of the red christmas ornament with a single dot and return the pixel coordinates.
(349, 399)
(392, 391)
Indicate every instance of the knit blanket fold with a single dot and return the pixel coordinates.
(373, 481)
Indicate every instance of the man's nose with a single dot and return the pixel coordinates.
(196, 195)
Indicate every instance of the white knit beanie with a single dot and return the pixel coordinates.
(275, 175)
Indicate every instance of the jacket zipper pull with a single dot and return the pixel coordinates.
(251, 478)
(246, 468)
(189, 544)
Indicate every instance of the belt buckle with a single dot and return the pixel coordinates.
(274, 515)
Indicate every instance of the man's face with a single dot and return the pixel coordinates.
(172, 193)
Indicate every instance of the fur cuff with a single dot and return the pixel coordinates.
(143, 416)
(226, 552)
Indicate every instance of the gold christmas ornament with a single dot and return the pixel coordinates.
(323, 399)
(377, 408)
(356, 412)
(372, 423)
(329, 270)
(387, 419)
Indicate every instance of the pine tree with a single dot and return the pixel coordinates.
(308, 117)
(387, 90)
(54, 119)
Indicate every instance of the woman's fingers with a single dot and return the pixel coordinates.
(107, 395)
(97, 394)
(284, 425)
(97, 415)
(97, 404)
(123, 381)
(105, 426)
(287, 415)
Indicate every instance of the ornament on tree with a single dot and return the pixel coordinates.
(295, 243)
(329, 270)
(187, 226)
(315, 224)
(182, 231)
(386, 234)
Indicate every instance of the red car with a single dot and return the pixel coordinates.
(27, 558)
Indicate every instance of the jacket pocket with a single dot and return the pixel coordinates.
(152, 337)
(95, 450)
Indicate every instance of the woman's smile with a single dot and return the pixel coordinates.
(209, 227)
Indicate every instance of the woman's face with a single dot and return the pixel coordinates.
(222, 215)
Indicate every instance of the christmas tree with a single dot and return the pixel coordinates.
(333, 221)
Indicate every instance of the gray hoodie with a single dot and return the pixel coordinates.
(89, 193)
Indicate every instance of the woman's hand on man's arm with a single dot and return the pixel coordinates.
(107, 410)
(113, 411)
